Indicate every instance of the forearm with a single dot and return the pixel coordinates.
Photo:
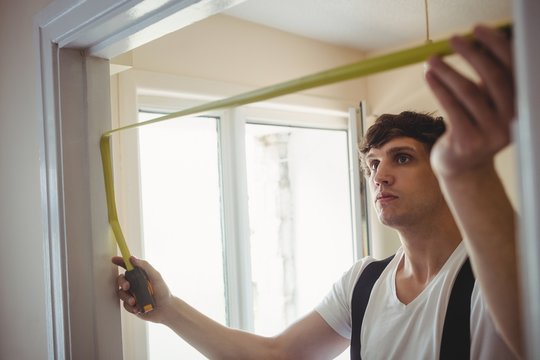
(213, 339)
(308, 338)
(487, 221)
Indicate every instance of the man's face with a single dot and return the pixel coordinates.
(403, 186)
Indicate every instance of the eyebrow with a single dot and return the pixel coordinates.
(394, 150)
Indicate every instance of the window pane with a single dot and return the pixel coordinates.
(300, 219)
(181, 214)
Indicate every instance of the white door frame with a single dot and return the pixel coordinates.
(83, 320)
(527, 50)
(76, 249)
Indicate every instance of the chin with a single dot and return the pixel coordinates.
(391, 221)
(385, 220)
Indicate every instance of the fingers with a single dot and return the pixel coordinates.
(483, 103)
(492, 61)
(122, 288)
(478, 112)
(462, 99)
(497, 43)
(122, 283)
(445, 96)
(122, 291)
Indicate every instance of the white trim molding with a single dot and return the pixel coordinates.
(73, 111)
(527, 58)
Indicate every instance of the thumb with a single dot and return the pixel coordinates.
(119, 261)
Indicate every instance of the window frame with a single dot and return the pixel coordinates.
(148, 91)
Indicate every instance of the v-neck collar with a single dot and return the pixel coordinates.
(421, 296)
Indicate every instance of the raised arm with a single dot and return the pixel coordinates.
(479, 118)
(309, 338)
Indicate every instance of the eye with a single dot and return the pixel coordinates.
(403, 159)
(374, 164)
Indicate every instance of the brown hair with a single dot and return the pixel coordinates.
(420, 126)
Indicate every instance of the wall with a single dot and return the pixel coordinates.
(405, 89)
(22, 303)
(230, 50)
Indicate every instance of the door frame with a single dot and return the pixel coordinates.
(75, 39)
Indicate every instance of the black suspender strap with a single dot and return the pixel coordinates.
(456, 336)
(360, 298)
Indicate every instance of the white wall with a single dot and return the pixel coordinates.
(22, 299)
(230, 50)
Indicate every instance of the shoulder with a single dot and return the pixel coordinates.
(335, 308)
(350, 277)
(375, 267)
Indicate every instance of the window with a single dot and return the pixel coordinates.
(300, 222)
(181, 221)
(247, 213)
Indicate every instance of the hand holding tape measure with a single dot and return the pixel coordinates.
(140, 287)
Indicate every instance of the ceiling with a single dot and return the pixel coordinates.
(372, 25)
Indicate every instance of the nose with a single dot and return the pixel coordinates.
(383, 175)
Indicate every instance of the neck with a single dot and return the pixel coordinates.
(427, 247)
(426, 250)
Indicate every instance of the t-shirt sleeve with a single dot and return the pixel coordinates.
(335, 308)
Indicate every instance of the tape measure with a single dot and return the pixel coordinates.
(142, 289)
(140, 285)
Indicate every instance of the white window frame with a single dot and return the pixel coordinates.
(146, 90)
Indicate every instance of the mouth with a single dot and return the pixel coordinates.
(385, 197)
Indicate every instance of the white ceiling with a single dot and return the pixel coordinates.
(372, 25)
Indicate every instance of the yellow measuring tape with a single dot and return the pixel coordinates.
(362, 68)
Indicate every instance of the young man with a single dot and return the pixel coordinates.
(407, 307)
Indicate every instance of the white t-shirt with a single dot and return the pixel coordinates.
(393, 330)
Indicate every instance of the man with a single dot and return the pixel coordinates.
(405, 315)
